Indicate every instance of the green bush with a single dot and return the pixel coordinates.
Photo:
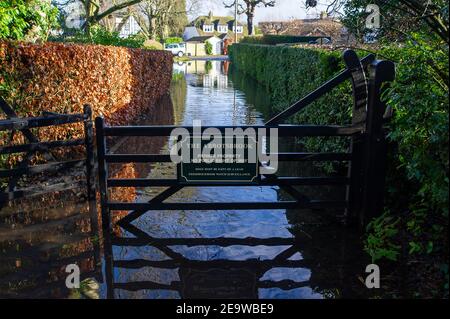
(208, 48)
(291, 73)
(419, 165)
(99, 35)
(29, 20)
(381, 240)
(278, 39)
(173, 40)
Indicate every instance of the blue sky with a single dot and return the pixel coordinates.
(283, 10)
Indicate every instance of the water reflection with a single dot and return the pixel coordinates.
(231, 254)
(38, 238)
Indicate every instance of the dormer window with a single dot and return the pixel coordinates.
(222, 28)
(208, 28)
(239, 29)
(126, 26)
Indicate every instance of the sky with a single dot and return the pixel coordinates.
(283, 10)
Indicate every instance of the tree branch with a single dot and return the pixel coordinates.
(115, 8)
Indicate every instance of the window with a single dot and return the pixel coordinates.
(134, 27)
(208, 28)
(222, 28)
(240, 29)
(126, 26)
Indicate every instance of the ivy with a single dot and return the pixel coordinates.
(208, 48)
(30, 20)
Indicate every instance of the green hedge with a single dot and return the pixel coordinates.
(289, 74)
(99, 35)
(418, 175)
(417, 181)
(279, 39)
(173, 40)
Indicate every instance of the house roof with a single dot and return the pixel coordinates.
(189, 33)
(207, 35)
(217, 20)
(194, 30)
(304, 27)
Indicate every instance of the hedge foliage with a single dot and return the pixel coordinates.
(118, 83)
(418, 183)
(418, 176)
(29, 19)
(100, 35)
(173, 40)
(278, 39)
(289, 73)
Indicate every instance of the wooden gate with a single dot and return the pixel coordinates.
(15, 125)
(42, 277)
(365, 180)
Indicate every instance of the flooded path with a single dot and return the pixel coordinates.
(217, 95)
(322, 259)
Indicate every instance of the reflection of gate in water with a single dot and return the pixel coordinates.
(218, 278)
(48, 224)
(365, 182)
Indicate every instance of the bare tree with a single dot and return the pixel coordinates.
(416, 11)
(249, 8)
(96, 10)
(156, 17)
(332, 6)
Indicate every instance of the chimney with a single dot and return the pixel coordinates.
(323, 15)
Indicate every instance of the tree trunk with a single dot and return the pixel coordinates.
(87, 8)
(250, 15)
(152, 28)
(249, 23)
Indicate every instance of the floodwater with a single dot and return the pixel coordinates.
(241, 254)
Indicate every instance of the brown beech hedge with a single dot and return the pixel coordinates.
(119, 83)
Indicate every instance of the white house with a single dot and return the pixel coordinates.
(196, 46)
(219, 31)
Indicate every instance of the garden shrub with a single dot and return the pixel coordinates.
(208, 48)
(270, 39)
(100, 35)
(173, 40)
(419, 165)
(118, 83)
(27, 19)
(289, 74)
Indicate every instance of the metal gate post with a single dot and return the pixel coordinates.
(105, 211)
(375, 155)
(90, 177)
(359, 112)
